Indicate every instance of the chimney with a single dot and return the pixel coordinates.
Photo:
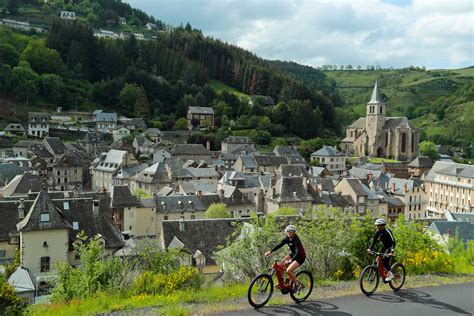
(208, 145)
(449, 232)
(95, 207)
(260, 201)
(21, 209)
(181, 225)
(369, 177)
(305, 184)
(221, 194)
(393, 187)
(405, 187)
(199, 193)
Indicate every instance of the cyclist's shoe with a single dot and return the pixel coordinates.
(298, 287)
(389, 277)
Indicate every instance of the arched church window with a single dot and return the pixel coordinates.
(404, 142)
(386, 139)
(413, 142)
(381, 110)
(352, 133)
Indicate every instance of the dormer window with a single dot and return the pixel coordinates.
(44, 218)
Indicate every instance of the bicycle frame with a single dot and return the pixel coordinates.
(280, 271)
(381, 267)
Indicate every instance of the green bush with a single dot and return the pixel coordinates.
(217, 210)
(158, 283)
(9, 302)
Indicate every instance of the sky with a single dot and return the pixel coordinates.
(390, 33)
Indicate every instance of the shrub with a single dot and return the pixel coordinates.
(159, 283)
(249, 242)
(217, 210)
(9, 302)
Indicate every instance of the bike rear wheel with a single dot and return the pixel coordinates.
(304, 291)
(398, 271)
(369, 280)
(260, 290)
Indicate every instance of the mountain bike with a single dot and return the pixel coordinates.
(369, 277)
(261, 288)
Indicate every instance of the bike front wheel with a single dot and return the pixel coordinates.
(305, 287)
(398, 271)
(369, 280)
(260, 290)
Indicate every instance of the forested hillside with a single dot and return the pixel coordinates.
(157, 78)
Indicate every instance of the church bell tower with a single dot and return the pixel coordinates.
(375, 120)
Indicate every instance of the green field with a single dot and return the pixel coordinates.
(219, 86)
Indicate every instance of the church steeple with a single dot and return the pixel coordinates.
(376, 97)
(376, 106)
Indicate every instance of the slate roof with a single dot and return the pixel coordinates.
(400, 122)
(248, 162)
(465, 230)
(42, 205)
(191, 187)
(93, 137)
(290, 189)
(361, 173)
(327, 151)
(238, 140)
(142, 141)
(421, 162)
(9, 215)
(376, 97)
(450, 168)
(56, 145)
(112, 160)
(8, 171)
(359, 123)
(190, 149)
(26, 144)
(14, 127)
(356, 186)
(120, 197)
(38, 115)
(394, 165)
(293, 170)
(270, 160)
(22, 184)
(203, 235)
(106, 117)
(156, 173)
(295, 159)
(283, 150)
(179, 203)
(201, 110)
(69, 159)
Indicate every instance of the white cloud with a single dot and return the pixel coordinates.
(435, 34)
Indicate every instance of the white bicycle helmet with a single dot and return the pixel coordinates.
(290, 228)
(380, 221)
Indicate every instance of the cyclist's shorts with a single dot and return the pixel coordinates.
(299, 259)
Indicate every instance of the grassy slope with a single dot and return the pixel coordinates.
(409, 88)
(219, 86)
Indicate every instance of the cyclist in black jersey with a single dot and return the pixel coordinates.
(297, 255)
(388, 242)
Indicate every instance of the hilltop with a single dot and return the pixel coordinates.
(110, 54)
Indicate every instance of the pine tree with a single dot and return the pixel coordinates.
(142, 108)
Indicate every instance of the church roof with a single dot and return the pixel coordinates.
(400, 122)
(376, 97)
(360, 123)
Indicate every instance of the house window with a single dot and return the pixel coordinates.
(3, 254)
(75, 225)
(66, 205)
(45, 264)
(165, 218)
(44, 217)
(59, 172)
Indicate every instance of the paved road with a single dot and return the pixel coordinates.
(455, 299)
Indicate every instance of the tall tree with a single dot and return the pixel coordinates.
(142, 108)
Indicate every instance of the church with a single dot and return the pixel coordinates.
(376, 135)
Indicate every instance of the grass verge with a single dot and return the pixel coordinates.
(217, 298)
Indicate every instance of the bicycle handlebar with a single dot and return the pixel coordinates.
(382, 254)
